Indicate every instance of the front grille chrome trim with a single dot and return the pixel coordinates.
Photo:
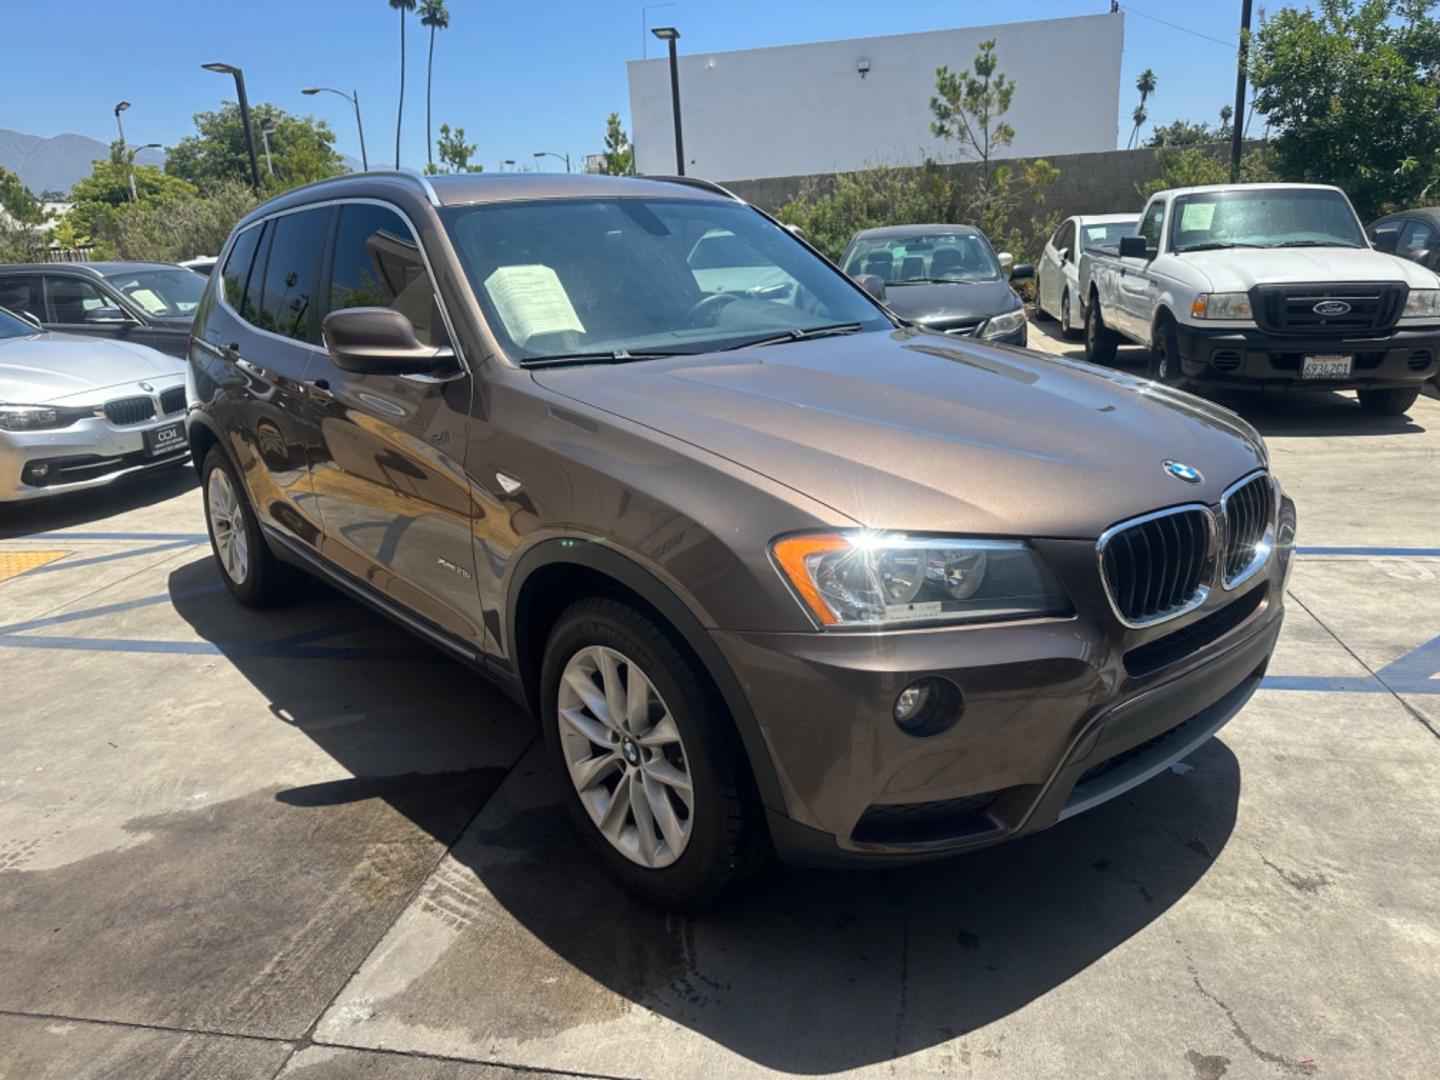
(1202, 591)
(1263, 547)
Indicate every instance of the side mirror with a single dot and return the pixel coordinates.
(1134, 247)
(1063, 254)
(379, 341)
(797, 231)
(30, 318)
(1021, 270)
(873, 284)
(1006, 261)
(1422, 256)
(106, 316)
(1385, 241)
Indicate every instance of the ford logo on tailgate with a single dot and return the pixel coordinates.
(1331, 307)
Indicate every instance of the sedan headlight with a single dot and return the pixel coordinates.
(1222, 305)
(1004, 325)
(1422, 304)
(39, 417)
(889, 579)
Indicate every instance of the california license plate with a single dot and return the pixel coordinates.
(1326, 366)
(165, 439)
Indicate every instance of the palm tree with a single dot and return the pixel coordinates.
(433, 15)
(1145, 84)
(401, 6)
(1139, 116)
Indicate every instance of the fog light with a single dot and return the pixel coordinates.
(928, 706)
(39, 471)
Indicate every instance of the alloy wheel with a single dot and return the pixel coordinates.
(625, 756)
(1065, 326)
(227, 525)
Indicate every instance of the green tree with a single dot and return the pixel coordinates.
(99, 197)
(302, 148)
(1197, 164)
(455, 152)
(194, 225)
(401, 6)
(433, 15)
(619, 156)
(970, 107)
(1146, 85)
(21, 216)
(1350, 91)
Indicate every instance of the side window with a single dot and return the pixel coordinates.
(237, 267)
(1152, 223)
(250, 302)
(1061, 239)
(1418, 236)
(377, 264)
(70, 298)
(22, 293)
(291, 273)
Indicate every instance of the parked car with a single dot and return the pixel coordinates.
(201, 264)
(943, 277)
(142, 303)
(1410, 234)
(774, 571)
(76, 412)
(1266, 286)
(1058, 285)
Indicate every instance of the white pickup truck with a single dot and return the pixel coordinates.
(1265, 286)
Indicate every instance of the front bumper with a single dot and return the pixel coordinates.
(1252, 359)
(1058, 717)
(87, 454)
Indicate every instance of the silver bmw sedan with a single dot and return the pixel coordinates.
(79, 412)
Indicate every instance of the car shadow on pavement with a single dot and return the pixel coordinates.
(802, 971)
(1307, 413)
(22, 519)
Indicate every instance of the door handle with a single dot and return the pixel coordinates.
(319, 389)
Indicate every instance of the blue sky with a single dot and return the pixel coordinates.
(517, 77)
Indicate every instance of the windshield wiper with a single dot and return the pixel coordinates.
(1316, 243)
(1219, 245)
(610, 356)
(938, 281)
(797, 335)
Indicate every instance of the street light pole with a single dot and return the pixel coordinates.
(130, 161)
(670, 35)
(354, 99)
(551, 153)
(120, 107)
(1237, 132)
(230, 69)
(265, 129)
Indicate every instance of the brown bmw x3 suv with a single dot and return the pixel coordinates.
(774, 569)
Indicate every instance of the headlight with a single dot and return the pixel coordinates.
(890, 579)
(1422, 304)
(1222, 305)
(39, 417)
(1003, 325)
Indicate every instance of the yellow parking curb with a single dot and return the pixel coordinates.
(15, 563)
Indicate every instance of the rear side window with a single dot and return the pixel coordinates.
(237, 267)
(378, 264)
(1417, 237)
(22, 293)
(1152, 223)
(72, 298)
(291, 272)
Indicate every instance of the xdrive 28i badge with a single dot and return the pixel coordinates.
(1181, 471)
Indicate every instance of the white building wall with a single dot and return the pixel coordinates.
(799, 109)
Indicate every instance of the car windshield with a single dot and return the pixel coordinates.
(14, 326)
(632, 277)
(1106, 233)
(1265, 218)
(161, 292)
(916, 260)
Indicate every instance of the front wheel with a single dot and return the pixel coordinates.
(1067, 328)
(1388, 402)
(654, 773)
(1100, 340)
(1165, 356)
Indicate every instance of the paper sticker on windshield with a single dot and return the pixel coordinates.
(1196, 216)
(531, 300)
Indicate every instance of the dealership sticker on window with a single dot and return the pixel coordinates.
(1196, 216)
(531, 300)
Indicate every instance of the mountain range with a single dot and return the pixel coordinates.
(55, 164)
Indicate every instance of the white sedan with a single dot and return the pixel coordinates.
(78, 412)
(1058, 290)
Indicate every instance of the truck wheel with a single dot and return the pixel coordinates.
(1100, 340)
(1165, 356)
(1387, 402)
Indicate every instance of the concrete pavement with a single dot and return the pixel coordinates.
(299, 842)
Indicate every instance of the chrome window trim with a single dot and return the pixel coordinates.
(1202, 591)
(367, 200)
(1267, 539)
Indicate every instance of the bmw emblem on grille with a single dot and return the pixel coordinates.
(147, 388)
(1181, 471)
(1331, 307)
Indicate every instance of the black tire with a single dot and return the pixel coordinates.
(1100, 341)
(727, 839)
(1066, 330)
(1041, 315)
(1165, 356)
(266, 582)
(1388, 402)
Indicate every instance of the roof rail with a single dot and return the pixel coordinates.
(697, 182)
(425, 186)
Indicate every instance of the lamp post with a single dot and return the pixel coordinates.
(507, 161)
(549, 153)
(354, 99)
(121, 106)
(670, 35)
(266, 127)
(130, 161)
(231, 69)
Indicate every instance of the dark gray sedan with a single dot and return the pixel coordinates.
(143, 303)
(944, 277)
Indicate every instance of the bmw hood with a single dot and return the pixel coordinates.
(45, 369)
(918, 431)
(942, 305)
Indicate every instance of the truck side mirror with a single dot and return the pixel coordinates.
(1134, 247)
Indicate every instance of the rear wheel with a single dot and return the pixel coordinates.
(654, 774)
(1100, 340)
(1388, 402)
(252, 574)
